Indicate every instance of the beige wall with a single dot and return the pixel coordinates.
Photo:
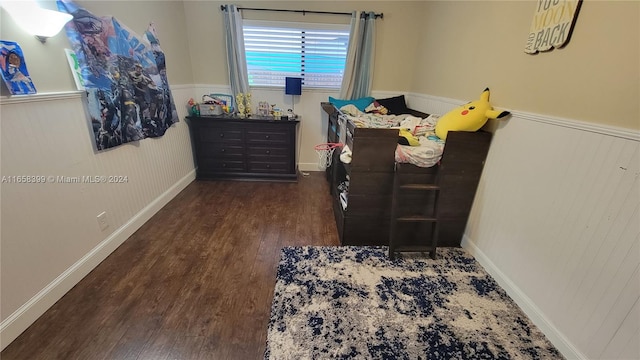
(41, 59)
(469, 45)
(595, 78)
(47, 63)
(396, 45)
(394, 61)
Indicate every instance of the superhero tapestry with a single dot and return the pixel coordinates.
(124, 76)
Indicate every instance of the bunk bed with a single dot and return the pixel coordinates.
(362, 190)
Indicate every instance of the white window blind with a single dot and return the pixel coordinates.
(314, 52)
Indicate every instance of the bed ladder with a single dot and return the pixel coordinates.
(400, 218)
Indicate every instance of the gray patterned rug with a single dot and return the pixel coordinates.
(354, 303)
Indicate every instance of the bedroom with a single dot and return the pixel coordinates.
(573, 134)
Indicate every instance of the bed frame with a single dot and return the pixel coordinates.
(371, 172)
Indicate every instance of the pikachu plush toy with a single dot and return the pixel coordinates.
(468, 117)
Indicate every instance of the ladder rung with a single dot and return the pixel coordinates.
(417, 219)
(397, 219)
(420, 187)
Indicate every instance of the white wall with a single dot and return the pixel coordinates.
(50, 234)
(556, 220)
(558, 212)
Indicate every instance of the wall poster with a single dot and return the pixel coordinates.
(74, 65)
(124, 77)
(14, 69)
(552, 24)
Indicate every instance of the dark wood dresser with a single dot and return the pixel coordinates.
(256, 148)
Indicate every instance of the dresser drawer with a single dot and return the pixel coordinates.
(269, 167)
(267, 136)
(268, 151)
(216, 134)
(225, 149)
(222, 165)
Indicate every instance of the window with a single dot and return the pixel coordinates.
(315, 52)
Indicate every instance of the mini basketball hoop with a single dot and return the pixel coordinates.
(325, 154)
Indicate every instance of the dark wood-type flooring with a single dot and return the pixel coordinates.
(195, 282)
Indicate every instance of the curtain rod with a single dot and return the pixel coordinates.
(304, 12)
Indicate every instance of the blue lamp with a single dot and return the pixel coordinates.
(293, 86)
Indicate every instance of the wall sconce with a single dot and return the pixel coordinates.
(42, 23)
(293, 86)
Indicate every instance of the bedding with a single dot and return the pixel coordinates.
(427, 154)
(360, 103)
(395, 105)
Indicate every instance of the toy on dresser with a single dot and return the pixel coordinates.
(243, 101)
(216, 104)
(264, 109)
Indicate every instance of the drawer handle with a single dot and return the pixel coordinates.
(222, 150)
(268, 152)
(266, 136)
(268, 166)
(224, 165)
(221, 134)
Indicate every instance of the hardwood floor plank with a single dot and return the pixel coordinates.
(195, 282)
(186, 347)
(159, 347)
(96, 347)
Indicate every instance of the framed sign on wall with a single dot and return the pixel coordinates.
(552, 24)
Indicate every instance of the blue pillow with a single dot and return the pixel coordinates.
(361, 103)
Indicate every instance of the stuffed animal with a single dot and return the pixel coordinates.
(407, 138)
(468, 117)
(346, 155)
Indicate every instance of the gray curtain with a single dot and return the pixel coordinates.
(358, 72)
(236, 58)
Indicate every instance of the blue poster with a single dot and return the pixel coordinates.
(124, 76)
(14, 69)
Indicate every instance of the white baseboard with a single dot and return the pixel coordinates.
(554, 335)
(30, 311)
(309, 167)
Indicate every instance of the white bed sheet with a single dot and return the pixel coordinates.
(431, 147)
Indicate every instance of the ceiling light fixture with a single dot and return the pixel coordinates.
(42, 23)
